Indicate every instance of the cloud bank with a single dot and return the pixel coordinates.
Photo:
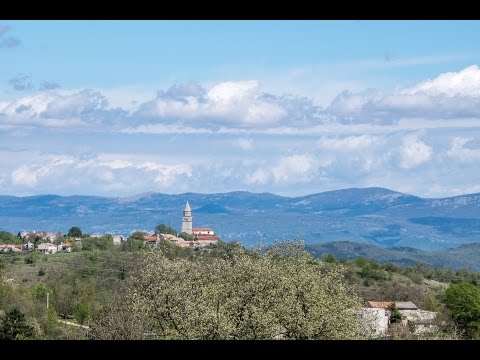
(231, 135)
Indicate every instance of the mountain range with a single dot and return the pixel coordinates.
(374, 216)
(464, 256)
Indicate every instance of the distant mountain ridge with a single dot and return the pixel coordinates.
(464, 256)
(373, 215)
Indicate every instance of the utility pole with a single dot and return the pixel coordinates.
(261, 242)
(47, 299)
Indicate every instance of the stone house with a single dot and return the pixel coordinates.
(47, 248)
(377, 315)
(10, 248)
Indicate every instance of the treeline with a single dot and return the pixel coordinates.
(374, 270)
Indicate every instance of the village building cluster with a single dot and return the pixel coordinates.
(46, 242)
(201, 236)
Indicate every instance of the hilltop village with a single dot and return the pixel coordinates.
(188, 237)
(48, 242)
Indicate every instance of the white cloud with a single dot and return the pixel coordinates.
(30, 175)
(81, 103)
(258, 177)
(225, 103)
(462, 83)
(165, 174)
(165, 129)
(414, 152)
(453, 95)
(293, 169)
(83, 109)
(24, 176)
(245, 144)
(229, 91)
(348, 104)
(103, 170)
(263, 113)
(102, 160)
(241, 107)
(128, 98)
(349, 143)
(362, 139)
(462, 153)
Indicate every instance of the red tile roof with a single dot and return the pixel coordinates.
(379, 304)
(150, 238)
(207, 237)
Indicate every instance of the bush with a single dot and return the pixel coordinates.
(39, 290)
(81, 313)
(32, 258)
(329, 258)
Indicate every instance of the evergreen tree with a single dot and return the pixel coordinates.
(14, 326)
(395, 315)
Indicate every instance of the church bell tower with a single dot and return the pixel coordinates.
(187, 219)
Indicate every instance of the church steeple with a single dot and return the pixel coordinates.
(187, 219)
(187, 208)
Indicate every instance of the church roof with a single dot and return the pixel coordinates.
(207, 237)
(187, 207)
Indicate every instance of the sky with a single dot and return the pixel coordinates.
(117, 108)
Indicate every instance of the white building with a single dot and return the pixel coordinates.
(203, 231)
(65, 247)
(117, 239)
(29, 246)
(47, 248)
(374, 321)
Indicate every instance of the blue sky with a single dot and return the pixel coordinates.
(117, 108)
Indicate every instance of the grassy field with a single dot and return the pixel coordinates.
(16, 267)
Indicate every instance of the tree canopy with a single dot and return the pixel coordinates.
(186, 236)
(165, 229)
(104, 242)
(284, 294)
(135, 241)
(75, 231)
(463, 300)
(9, 238)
